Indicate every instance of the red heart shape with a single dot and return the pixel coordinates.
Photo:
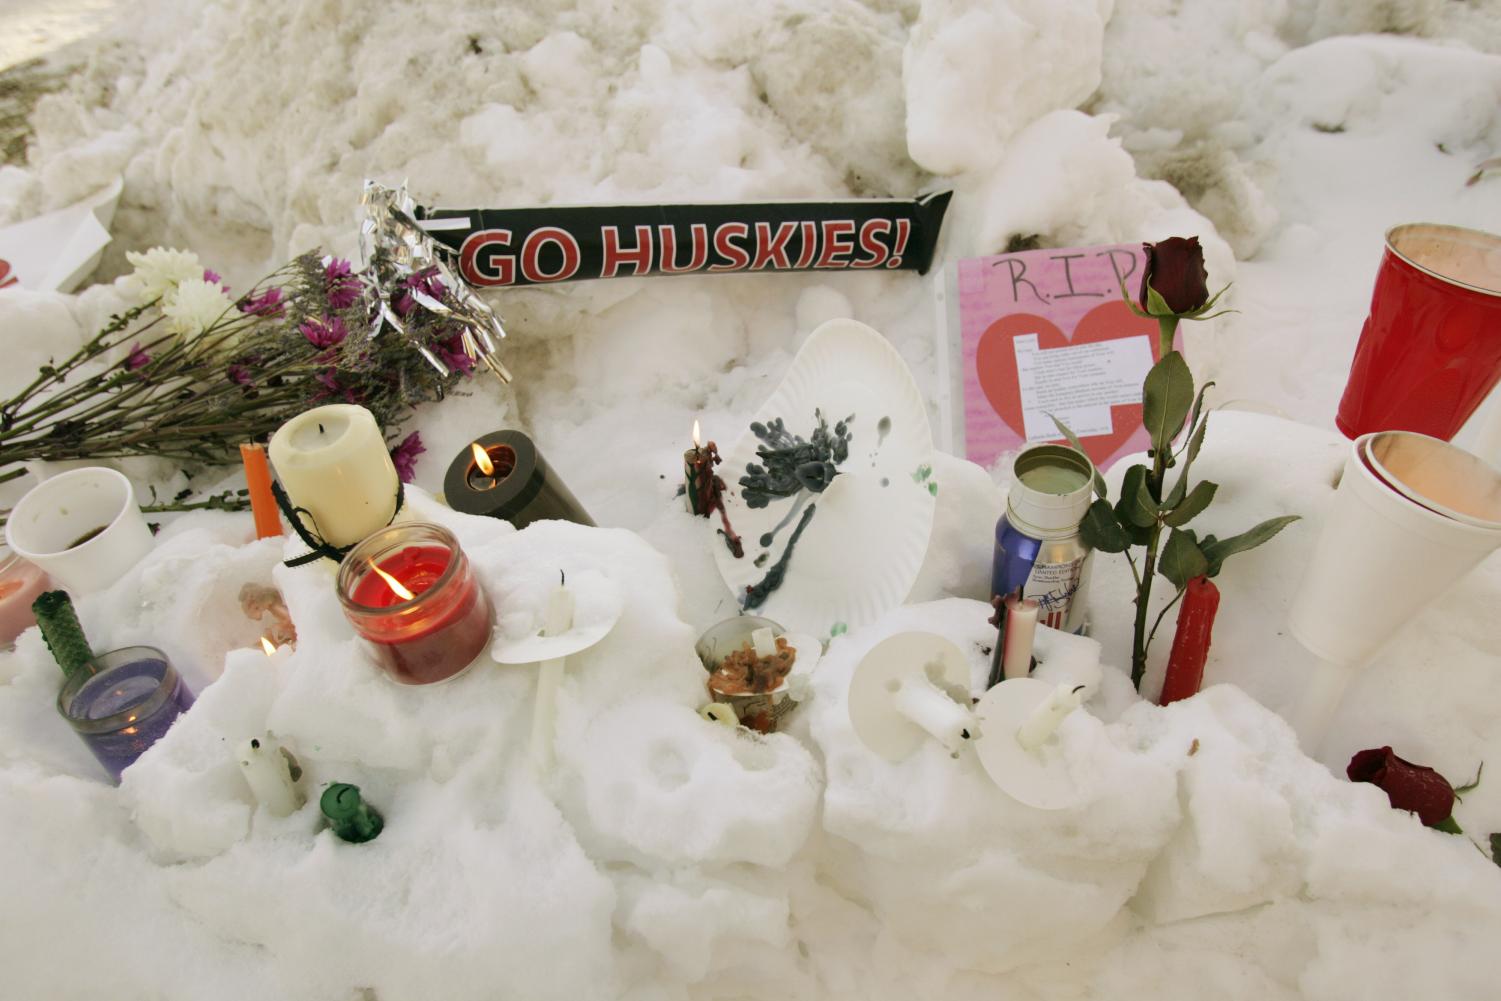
(6, 278)
(995, 364)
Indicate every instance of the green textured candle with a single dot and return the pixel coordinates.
(62, 631)
(349, 816)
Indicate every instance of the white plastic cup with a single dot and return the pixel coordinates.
(46, 525)
(1381, 559)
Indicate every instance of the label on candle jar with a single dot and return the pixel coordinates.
(535, 246)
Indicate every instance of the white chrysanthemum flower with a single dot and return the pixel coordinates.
(194, 307)
(159, 271)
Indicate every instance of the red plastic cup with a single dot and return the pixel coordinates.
(1431, 349)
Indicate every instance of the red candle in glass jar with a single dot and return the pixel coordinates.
(408, 590)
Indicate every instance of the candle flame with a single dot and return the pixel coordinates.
(268, 646)
(482, 459)
(393, 584)
(696, 442)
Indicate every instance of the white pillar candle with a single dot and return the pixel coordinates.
(1048, 716)
(269, 771)
(951, 724)
(332, 461)
(1021, 630)
(556, 620)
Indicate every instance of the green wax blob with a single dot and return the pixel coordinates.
(349, 816)
(1054, 479)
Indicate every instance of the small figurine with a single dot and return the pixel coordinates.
(258, 601)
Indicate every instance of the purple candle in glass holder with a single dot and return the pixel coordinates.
(123, 703)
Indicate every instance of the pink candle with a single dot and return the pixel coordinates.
(20, 584)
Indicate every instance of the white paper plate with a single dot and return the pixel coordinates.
(865, 544)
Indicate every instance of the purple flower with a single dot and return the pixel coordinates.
(329, 380)
(428, 281)
(451, 353)
(137, 358)
(327, 333)
(403, 303)
(343, 286)
(425, 281)
(268, 303)
(212, 277)
(405, 455)
(240, 375)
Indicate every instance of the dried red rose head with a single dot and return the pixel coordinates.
(1175, 270)
(1416, 788)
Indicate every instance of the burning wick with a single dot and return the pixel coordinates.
(320, 429)
(393, 584)
(489, 470)
(697, 443)
(268, 646)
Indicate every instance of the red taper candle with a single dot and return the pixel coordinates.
(1185, 665)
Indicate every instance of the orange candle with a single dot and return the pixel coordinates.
(258, 479)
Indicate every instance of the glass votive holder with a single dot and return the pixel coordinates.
(20, 583)
(123, 703)
(759, 710)
(82, 527)
(409, 591)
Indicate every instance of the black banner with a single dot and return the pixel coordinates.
(535, 246)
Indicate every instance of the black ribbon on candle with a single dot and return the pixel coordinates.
(321, 548)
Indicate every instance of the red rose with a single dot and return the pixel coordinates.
(1175, 269)
(1415, 788)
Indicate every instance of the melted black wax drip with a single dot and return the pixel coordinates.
(756, 594)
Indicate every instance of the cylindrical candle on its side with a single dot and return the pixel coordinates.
(503, 475)
(333, 463)
(410, 592)
(21, 583)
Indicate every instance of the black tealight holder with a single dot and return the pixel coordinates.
(521, 487)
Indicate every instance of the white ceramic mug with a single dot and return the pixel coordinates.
(82, 527)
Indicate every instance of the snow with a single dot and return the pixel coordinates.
(665, 857)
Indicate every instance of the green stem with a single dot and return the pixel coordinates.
(1143, 599)
(1163, 614)
(213, 503)
(1167, 328)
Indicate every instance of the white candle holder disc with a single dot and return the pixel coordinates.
(1037, 778)
(597, 610)
(907, 688)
